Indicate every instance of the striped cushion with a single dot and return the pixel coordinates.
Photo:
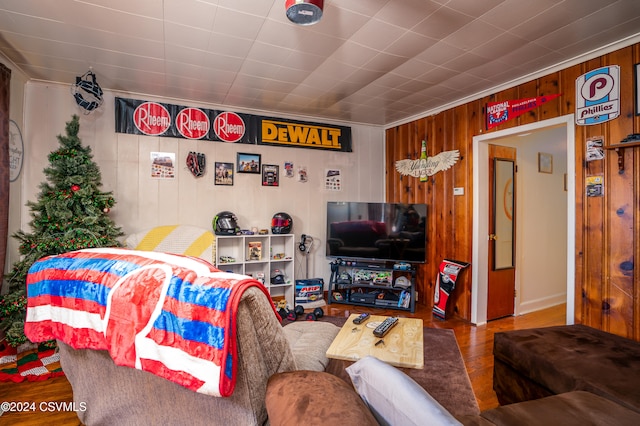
(176, 239)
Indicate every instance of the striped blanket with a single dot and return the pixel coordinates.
(171, 315)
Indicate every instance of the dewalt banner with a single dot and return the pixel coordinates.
(301, 134)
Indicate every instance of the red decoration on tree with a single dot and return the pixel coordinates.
(75, 188)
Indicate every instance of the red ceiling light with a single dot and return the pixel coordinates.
(304, 12)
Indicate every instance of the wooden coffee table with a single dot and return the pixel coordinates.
(402, 346)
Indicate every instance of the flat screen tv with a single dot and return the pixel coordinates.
(376, 231)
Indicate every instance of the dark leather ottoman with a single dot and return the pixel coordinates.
(534, 363)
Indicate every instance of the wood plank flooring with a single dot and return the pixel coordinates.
(476, 345)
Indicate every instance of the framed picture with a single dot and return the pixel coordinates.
(545, 163)
(224, 174)
(270, 175)
(248, 163)
(636, 74)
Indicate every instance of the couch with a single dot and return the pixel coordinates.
(109, 394)
(382, 394)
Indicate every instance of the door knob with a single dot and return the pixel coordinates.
(493, 237)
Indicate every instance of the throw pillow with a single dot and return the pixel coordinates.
(395, 398)
(314, 398)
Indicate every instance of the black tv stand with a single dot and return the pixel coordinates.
(378, 285)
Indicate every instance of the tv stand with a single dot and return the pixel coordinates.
(378, 285)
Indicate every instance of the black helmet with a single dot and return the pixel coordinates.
(225, 223)
(277, 277)
(281, 223)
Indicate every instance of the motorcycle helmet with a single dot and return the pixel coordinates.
(281, 223)
(277, 277)
(225, 223)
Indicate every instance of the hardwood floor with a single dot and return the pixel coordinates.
(476, 345)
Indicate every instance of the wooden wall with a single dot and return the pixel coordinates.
(607, 237)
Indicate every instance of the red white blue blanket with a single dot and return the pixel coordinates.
(171, 315)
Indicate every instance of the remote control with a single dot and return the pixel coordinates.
(362, 318)
(386, 325)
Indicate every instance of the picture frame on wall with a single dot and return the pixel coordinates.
(270, 175)
(636, 74)
(248, 163)
(545, 163)
(224, 174)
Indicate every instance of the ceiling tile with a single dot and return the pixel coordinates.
(374, 61)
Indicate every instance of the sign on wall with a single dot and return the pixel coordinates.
(16, 151)
(167, 120)
(501, 112)
(302, 134)
(429, 166)
(598, 96)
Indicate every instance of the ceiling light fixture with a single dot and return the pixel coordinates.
(304, 12)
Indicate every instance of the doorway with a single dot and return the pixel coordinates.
(565, 126)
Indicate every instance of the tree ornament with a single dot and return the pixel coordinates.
(75, 188)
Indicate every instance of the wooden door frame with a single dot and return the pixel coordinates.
(479, 270)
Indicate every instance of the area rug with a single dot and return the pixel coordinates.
(444, 375)
(32, 362)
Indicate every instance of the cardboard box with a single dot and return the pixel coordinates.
(309, 290)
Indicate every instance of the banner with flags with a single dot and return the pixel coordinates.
(501, 112)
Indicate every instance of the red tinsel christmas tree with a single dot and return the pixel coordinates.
(70, 214)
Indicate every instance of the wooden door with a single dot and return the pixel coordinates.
(501, 239)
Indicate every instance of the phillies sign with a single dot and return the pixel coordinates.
(166, 120)
(501, 112)
(598, 96)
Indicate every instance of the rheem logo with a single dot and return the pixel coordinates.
(229, 127)
(192, 123)
(151, 118)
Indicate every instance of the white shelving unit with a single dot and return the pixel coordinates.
(235, 254)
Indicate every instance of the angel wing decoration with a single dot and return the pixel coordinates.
(431, 165)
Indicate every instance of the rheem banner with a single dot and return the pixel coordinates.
(176, 121)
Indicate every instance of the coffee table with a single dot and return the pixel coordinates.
(402, 346)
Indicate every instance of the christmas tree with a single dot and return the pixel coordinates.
(70, 214)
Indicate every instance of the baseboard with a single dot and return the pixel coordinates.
(542, 303)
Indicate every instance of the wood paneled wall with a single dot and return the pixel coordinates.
(607, 228)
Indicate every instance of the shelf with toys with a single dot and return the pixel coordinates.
(267, 257)
(373, 285)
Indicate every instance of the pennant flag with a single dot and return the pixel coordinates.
(501, 112)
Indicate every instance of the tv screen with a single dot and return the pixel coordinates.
(376, 231)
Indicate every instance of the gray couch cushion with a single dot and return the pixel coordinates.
(309, 341)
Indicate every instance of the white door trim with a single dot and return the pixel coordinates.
(479, 274)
